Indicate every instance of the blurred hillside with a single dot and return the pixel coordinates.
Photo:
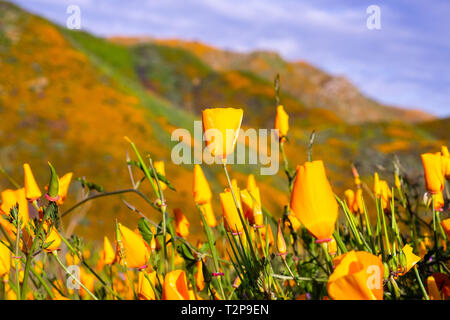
(70, 97)
(306, 83)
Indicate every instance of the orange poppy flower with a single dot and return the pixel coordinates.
(358, 275)
(282, 122)
(230, 212)
(12, 197)
(281, 243)
(221, 128)
(136, 250)
(445, 161)
(208, 213)
(160, 168)
(434, 174)
(146, 282)
(175, 286)
(313, 200)
(251, 182)
(199, 279)
(108, 254)
(202, 192)
(53, 238)
(5, 259)
(31, 187)
(411, 258)
(64, 183)
(181, 222)
(446, 226)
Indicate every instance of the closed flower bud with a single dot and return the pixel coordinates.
(281, 243)
(230, 212)
(32, 190)
(181, 222)
(332, 247)
(199, 279)
(108, 254)
(434, 175)
(64, 183)
(208, 213)
(160, 168)
(53, 186)
(251, 182)
(136, 251)
(202, 192)
(282, 122)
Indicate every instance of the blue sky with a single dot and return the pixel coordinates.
(405, 63)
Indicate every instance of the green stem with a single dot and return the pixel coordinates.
(55, 254)
(16, 258)
(422, 288)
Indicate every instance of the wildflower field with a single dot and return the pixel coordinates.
(249, 253)
(93, 206)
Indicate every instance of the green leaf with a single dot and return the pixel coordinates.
(185, 252)
(144, 229)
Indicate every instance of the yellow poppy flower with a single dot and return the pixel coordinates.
(221, 127)
(282, 122)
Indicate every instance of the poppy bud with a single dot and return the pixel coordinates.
(108, 254)
(434, 175)
(182, 223)
(230, 212)
(208, 213)
(53, 186)
(282, 122)
(136, 251)
(32, 190)
(199, 279)
(160, 168)
(202, 192)
(281, 243)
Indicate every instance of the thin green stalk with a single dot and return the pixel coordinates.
(32, 249)
(422, 288)
(74, 252)
(212, 247)
(55, 254)
(16, 258)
